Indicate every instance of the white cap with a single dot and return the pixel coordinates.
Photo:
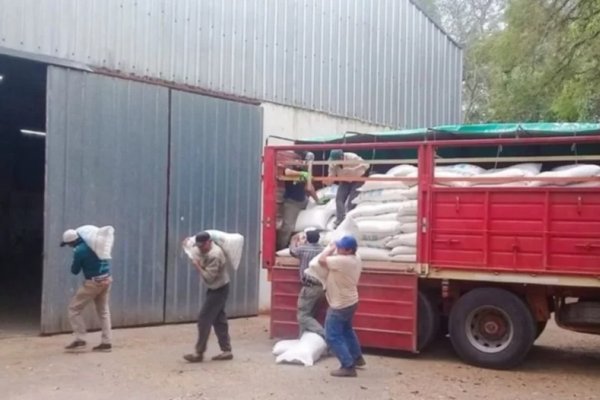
(69, 236)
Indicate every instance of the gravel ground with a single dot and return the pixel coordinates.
(146, 364)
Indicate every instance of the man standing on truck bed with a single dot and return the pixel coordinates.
(344, 269)
(312, 290)
(212, 267)
(347, 190)
(96, 288)
(294, 200)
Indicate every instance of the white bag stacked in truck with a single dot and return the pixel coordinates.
(100, 240)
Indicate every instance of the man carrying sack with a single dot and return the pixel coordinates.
(96, 288)
(211, 263)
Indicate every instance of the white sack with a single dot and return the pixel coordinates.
(374, 185)
(408, 207)
(327, 193)
(462, 169)
(408, 227)
(376, 244)
(367, 253)
(412, 193)
(377, 230)
(409, 258)
(232, 245)
(403, 250)
(402, 170)
(403, 239)
(307, 351)
(382, 217)
(404, 219)
(368, 210)
(284, 253)
(284, 345)
(572, 172)
(448, 173)
(316, 218)
(100, 240)
(381, 195)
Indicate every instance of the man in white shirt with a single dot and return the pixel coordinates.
(344, 267)
(347, 190)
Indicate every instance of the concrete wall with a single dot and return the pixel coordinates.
(295, 123)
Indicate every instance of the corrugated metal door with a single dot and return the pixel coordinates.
(214, 184)
(107, 154)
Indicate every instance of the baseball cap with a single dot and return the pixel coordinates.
(69, 236)
(336, 155)
(347, 243)
(202, 237)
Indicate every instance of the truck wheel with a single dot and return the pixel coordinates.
(428, 320)
(540, 326)
(492, 328)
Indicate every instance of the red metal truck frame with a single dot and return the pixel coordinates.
(446, 253)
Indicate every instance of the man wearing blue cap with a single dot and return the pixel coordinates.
(344, 267)
(347, 190)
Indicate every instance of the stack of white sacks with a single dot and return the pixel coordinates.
(386, 211)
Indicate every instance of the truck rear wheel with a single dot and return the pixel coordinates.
(492, 328)
(428, 320)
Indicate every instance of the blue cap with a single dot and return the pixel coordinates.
(347, 243)
(336, 155)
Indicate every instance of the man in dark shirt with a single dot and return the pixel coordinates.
(294, 201)
(96, 288)
(312, 290)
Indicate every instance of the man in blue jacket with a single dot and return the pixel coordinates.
(96, 288)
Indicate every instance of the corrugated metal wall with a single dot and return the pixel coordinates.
(381, 61)
(214, 184)
(107, 143)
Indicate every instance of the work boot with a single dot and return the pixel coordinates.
(103, 347)
(193, 358)
(76, 344)
(344, 373)
(224, 356)
(360, 362)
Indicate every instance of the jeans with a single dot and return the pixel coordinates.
(340, 335)
(346, 192)
(212, 315)
(307, 303)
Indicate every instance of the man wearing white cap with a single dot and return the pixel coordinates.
(96, 288)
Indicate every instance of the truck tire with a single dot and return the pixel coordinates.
(540, 326)
(492, 328)
(428, 320)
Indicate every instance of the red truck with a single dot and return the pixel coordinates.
(495, 260)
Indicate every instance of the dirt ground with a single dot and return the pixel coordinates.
(146, 364)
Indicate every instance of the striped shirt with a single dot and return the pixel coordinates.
(305, 253)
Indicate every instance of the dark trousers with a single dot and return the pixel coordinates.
(346, 192)
(213, 315)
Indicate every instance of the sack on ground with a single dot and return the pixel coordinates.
(100, 240)
(284, 345)
(307, 351)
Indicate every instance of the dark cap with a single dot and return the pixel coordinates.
(336, 155)
(202, 237)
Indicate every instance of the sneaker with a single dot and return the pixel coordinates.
(360, 362)
(224, 356)
(76, 344)
(344, 373)
(193, 358)
(103, 347)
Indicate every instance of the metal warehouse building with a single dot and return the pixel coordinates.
(150, 115)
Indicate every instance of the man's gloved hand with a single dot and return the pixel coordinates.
(322, 201)
(303, 176)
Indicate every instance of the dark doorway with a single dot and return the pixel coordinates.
(22, 176)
